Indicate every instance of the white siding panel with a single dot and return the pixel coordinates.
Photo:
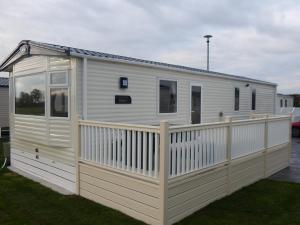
(217, 95)
(56, 173)
(33, 64)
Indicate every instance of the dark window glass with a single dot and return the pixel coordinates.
(59, 102)
(281, 103)
(167, 96)
(253, 107)
(285, 103)
(30, 95)
(236, 99)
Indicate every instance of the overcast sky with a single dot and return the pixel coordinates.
(257, 38)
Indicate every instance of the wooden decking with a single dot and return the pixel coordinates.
(291, 173)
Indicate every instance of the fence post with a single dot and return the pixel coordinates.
(164, 171)
(266, 144)
(290, 137)
(228, 153)
(77, 152)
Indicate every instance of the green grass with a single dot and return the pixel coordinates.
(24, 202)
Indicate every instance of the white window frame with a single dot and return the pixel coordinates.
(65, 85)
(14, 94)
(158, 97)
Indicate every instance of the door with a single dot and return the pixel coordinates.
(195, 104)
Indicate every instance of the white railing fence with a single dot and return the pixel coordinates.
(247, 137)
(132, 148)
(196, 147)
(278, 131)
(136, 148)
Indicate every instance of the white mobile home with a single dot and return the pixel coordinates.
(4, 99)
(77, 116)
(284, 101)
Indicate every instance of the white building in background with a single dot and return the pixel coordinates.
(4, 104)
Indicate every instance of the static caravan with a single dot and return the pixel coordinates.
(128, 133)
(4, 99)
(284, 101)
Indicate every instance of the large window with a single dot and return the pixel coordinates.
(236, 99)
(253, 102)
(59, 104)
(30, 95)
(167, 96)
(281, 103)
(285, 103)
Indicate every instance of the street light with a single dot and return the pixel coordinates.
(207, 41)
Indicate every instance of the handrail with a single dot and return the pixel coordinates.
(135, 127)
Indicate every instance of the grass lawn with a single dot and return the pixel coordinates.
(23, 202)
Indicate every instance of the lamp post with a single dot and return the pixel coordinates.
(207, 41)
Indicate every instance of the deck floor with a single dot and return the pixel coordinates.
(292, 173)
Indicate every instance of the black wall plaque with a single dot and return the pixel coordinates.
(122, 99)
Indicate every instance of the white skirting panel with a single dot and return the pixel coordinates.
(53, 172)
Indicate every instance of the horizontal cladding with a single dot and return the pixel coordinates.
(31, 64)
(56, 154)
(247, 172)
(134, 197)
(277, 160)
(195, 192)
(30, 128)
(45, 169)
(217, 94)
(191, 192)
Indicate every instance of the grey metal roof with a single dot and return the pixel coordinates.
(4, 82)
(111, 57)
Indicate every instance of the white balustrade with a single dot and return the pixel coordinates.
(126, 147)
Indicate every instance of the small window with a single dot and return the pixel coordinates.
(281, 103)
(253, 105)
(59, 102)
(167, 96)
(236, 99)
(59, 94)
(285, 103)
(58, 78)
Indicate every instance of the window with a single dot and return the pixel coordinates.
(253, 105)
(281, 103)
(30, 95)
(285, 103)
(167, 96)
(59, 94)
(58, 78)
(236, 99)
(59, 102)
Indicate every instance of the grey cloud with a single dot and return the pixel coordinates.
(254, 38)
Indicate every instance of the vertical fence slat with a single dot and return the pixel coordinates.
(156, 155)
(144, 153)
(134, 151)
(139, 152)
(123, 149)
(128, 161)
(150, 155)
